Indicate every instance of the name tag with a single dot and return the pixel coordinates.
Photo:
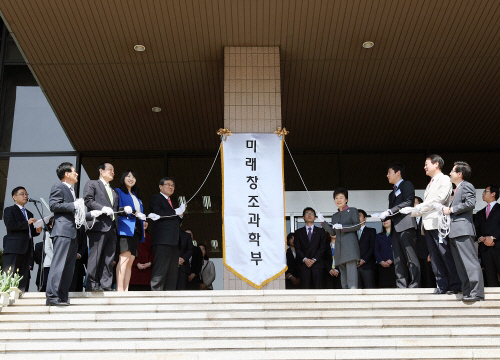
(397, 193)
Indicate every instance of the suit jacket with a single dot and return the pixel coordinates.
(438, 191)
(18, 240)
(488, 227)
(462, 207)
(383, 248)
(196, 263)
(61, 204)
(208, 273)
(311, 250)
(346, 244)
(292, 263)
(164, 231)
(405, 197)
(186, 245)
(367, 248)
(96, 197)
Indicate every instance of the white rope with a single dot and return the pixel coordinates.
(444, 222)
(79, 213)
(298, 172)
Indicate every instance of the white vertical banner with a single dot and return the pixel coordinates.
(253, 197)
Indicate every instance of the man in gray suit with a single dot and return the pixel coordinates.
(462, 233)
(64, 234)
(102, 235)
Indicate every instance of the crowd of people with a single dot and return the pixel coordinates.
(101, 242)
(435, 242)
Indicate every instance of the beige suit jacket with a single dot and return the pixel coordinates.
(438, 190)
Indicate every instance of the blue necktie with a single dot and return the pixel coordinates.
(309, 234)
(26, 217)
(395, 188)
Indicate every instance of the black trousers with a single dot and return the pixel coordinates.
(102, 248)
(332, 282)
(165, 267)
(21, 262)
(442, 262)
(406, 264)
(311, 278)
(183, 273)
(61, 268)
(386, 277)
(78, 276)
(490, 261)
(427, 278)
(366, 278)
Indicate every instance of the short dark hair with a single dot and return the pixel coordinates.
(397, 167)
(206, 252)
(17, 188)
(361, 211)
(420, 201)
(436, 159)
(289, 237)
(63, 169)
(307, 209)
(341, 190)
(464, 168)
(123, 187)
(166, 178)
(102, 166)
(494, 189)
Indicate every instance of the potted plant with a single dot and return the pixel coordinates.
(4, 286)
(14, 291)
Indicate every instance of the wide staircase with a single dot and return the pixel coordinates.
(266, 324)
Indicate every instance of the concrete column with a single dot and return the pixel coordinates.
(252, 103)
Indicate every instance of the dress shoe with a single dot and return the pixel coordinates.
(56, 303)
(108, 289)
(469, 298)
(451, 292)
(97, 289)
(439, 291)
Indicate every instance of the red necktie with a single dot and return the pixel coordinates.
(487, 211)
(170, 202)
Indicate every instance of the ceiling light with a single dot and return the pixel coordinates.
(156, 109)
(139, 48)
(368, 44)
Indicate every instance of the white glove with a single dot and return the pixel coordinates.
(418, 207)
(375, 216)
(385, 215)
(95, 213)
(438, 206)
(321, 217)
(107, 210)
(128, 210)
(337, 226)
(140, 216)
(153, 216)
(406, 210)
(77, 203)
(180, 210)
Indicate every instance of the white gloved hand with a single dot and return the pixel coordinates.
(128, 210)
(180, 210)
(153, 216)
(321, 217)
(406, 210)
(385, 215)
(438, 206)
(107, 210)
(78, 202)
(337, 226)
(140, 216)
(95, 213)
(376, 216)
(418, 207)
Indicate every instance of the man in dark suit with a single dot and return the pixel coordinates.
(366, 266)
(462, 233)
(62, 203)
(403, 234)
(310, 245)
(487, 223)
(18, 243)
(427, 279)
(165, 237)
(186, 251)
(81, 261)
(99, 195)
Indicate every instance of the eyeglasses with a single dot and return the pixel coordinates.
(309, 213)
(485, 191)
(169, 185)
(22, 194)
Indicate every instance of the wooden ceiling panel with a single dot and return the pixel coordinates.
(434, 65)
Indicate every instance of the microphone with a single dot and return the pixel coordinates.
(33, 200)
